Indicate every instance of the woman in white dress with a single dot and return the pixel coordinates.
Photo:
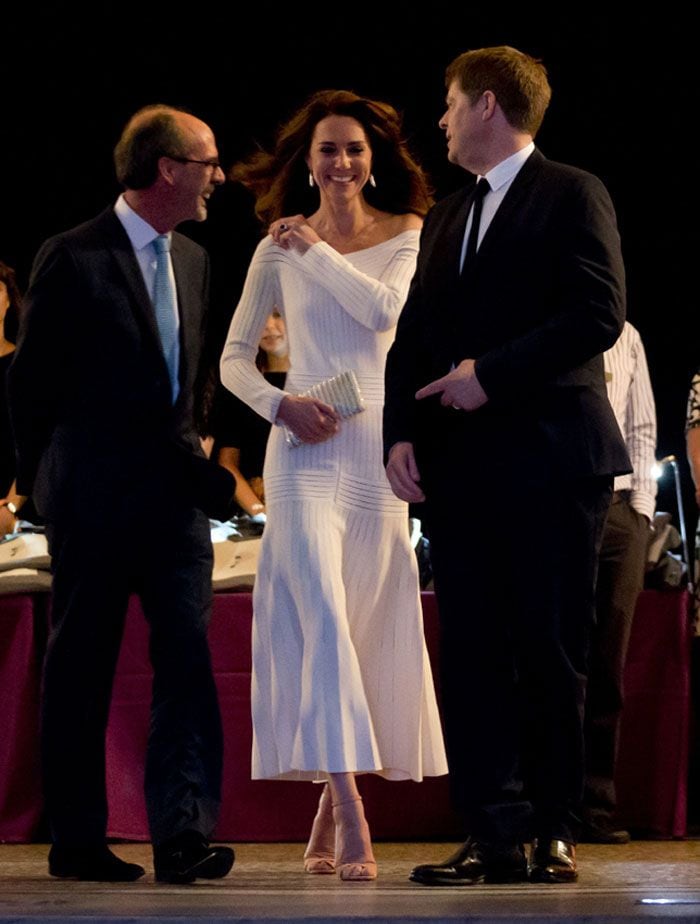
(341, 678)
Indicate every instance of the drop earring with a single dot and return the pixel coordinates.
(311, 180)
(372, 181)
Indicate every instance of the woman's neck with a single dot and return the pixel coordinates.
(343, 222)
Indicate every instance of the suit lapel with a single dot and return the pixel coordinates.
(511, 208)
(187, 310)
(123, 253)
(454, 237)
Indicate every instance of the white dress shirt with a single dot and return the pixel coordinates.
(142, 235)
(500, 178)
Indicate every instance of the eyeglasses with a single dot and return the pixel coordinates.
(214, 164)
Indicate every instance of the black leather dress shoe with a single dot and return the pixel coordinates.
(602, 831)
(474, 863)
(91, 864)
(552, 861)
(190, 856)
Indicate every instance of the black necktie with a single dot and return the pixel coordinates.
(482, 187)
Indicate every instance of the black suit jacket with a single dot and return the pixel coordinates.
(542, 300)
(89, 391)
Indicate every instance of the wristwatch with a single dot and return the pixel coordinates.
(10, 506)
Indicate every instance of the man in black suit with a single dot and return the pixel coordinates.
(497, 418)
(106, 444)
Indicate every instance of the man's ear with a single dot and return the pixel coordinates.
(166, 169)
(489, 104)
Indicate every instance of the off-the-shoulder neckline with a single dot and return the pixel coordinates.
(389, 240)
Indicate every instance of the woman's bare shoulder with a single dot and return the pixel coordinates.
(397, 224)
(409, 222)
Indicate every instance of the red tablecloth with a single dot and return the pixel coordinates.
(22, 631)
(653, 762)
(652, 770)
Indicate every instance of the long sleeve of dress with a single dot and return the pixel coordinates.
(375, 303)
(261, 295)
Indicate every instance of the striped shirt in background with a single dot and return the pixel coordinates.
(632, 400)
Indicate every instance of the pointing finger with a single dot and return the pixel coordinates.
(432, 388)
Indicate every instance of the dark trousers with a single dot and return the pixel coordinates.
(96, 567)
(514, 562)
(620, 580)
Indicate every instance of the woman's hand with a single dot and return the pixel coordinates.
(308, 418)
(294, 233)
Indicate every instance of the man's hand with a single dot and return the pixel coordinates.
(403, 474)
(460, 388)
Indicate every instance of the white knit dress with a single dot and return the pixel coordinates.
(341, 678)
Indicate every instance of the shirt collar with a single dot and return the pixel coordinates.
(505, 171)
(140, 233)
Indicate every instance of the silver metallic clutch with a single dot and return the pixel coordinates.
(342, 392)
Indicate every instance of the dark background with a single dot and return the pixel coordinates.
(624, 106)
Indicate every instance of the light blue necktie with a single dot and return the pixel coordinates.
(165, 304)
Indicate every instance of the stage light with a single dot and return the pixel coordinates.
(657, 472)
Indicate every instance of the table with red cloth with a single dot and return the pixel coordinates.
(653, 762)
(22, 641)
(652, 767)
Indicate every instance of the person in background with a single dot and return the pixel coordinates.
(10, 501)
(621, 568)
(240, 435)
(692, 432)
(692, 438)
(497, 417)
(341, 678)
(100, 392)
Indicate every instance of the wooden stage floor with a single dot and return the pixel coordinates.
(635, 882)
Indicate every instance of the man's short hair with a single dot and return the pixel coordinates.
(518, 81)
(151, 133)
